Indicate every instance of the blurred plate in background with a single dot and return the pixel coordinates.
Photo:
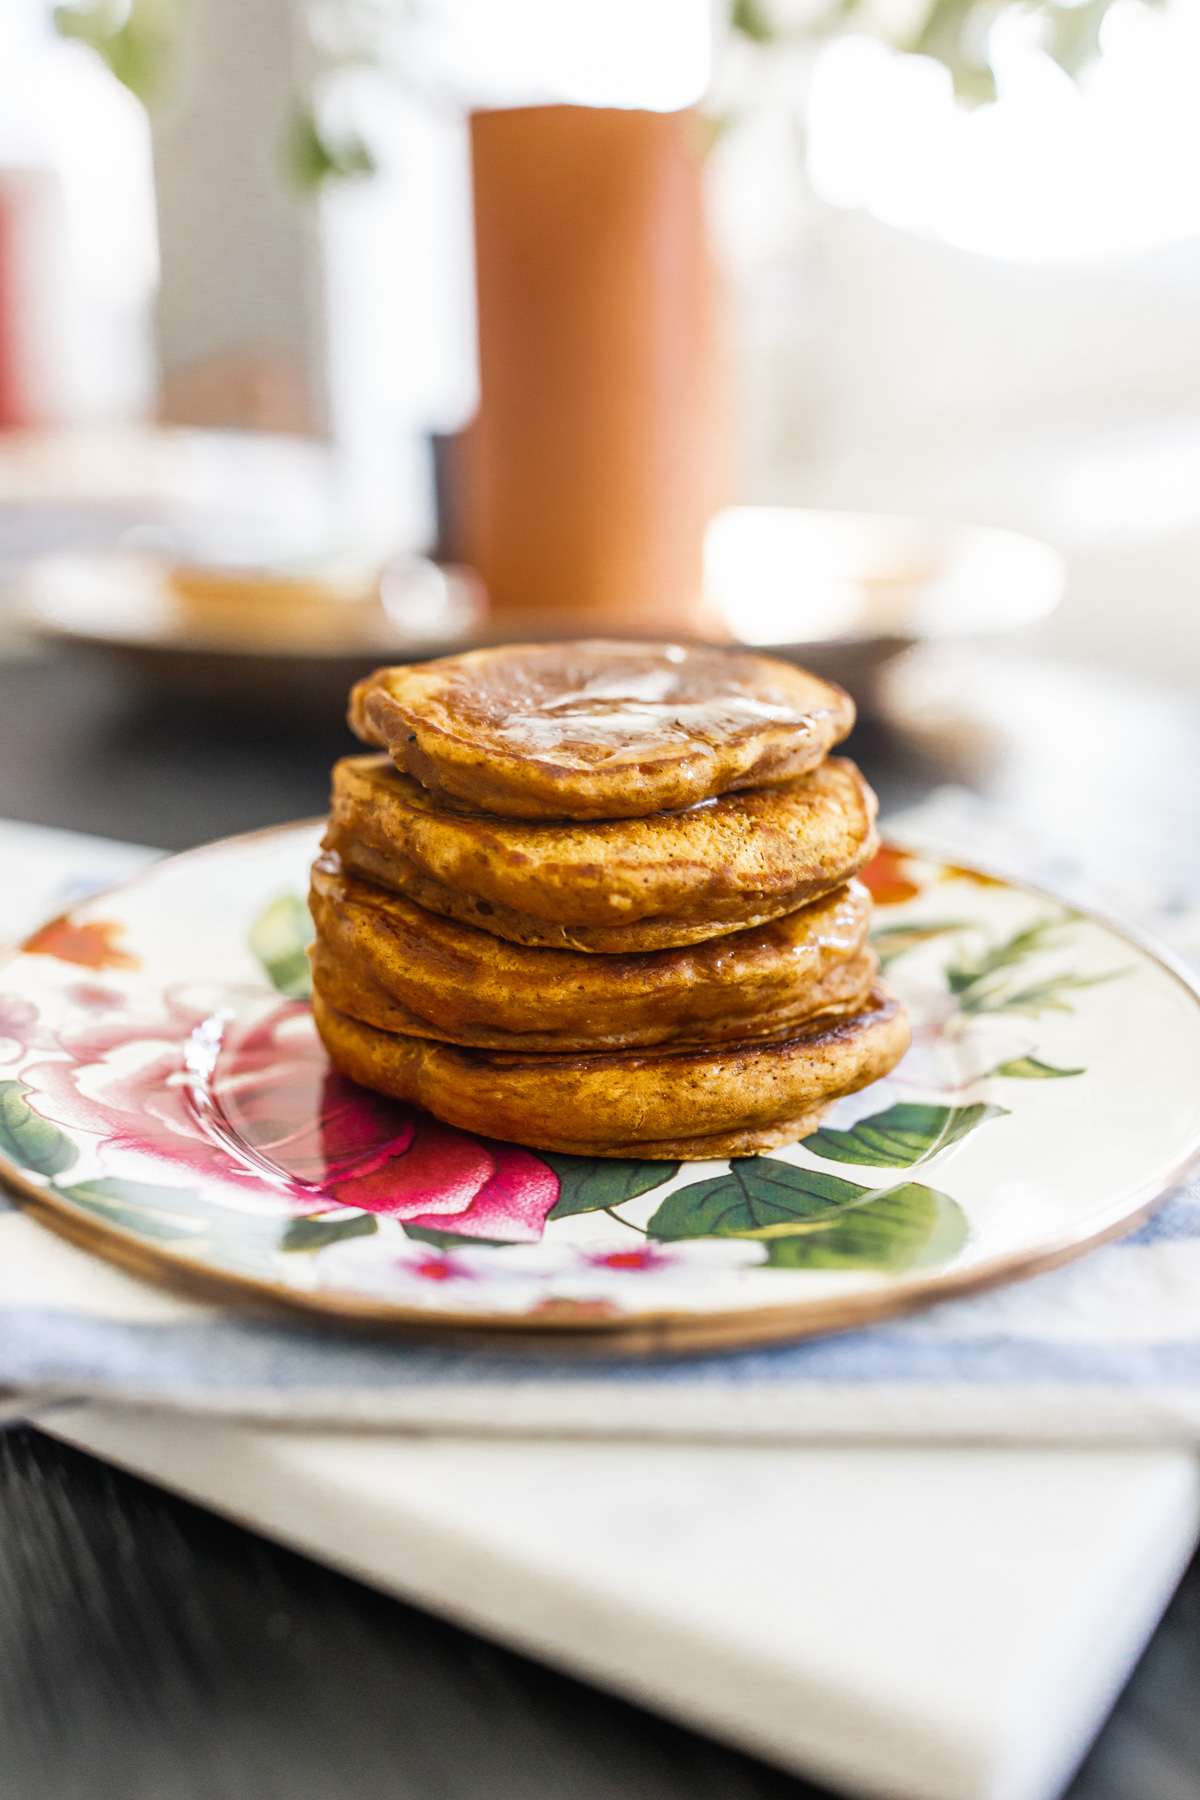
(843, 593)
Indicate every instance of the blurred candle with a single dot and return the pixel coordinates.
(597, 455)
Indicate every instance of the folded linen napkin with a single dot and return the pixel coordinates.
(1107, 1349)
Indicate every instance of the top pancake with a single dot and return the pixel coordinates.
(600, 729)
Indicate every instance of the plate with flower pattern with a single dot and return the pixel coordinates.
(165, 1101)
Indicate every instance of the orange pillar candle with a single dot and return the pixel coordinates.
(596, 458)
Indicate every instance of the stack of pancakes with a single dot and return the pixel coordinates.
(598, 898)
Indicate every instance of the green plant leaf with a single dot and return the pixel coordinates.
(946, 33)
(312, 157)
(906, 1228)
(454, 1240)
(159, 1212)
(136, 38)
(901, 1136)
(29, 1140)
(758, 1192)
(313, 1231)
(752, 20)
(593, 1183)
(280, 937)
(1031, 1068)
(1072, 33)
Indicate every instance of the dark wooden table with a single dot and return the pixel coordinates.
(149, 1651)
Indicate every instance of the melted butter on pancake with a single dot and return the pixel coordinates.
(577, 707)
(572, 731)
(598, 730)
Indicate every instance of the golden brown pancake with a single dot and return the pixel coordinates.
(601, 729)
(609, 886)
(382, 960)
(732, 1100)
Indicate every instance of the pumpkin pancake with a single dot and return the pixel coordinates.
(382, 960)
(598, 730)
(609, 886)
(731, 1100)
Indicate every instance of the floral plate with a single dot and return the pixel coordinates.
(164, 1100)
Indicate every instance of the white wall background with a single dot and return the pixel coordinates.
(1026, 349)
(993, 315)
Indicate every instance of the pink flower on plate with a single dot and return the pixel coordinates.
(125, 1081)
(451, 1181)
(278, 1093)
(272, 1097)
(264, 1111)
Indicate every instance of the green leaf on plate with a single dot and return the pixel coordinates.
(1031, 1068)
(592, 1183)
(454, 1240)
(29, 1140)
(158, 1212)
(758, 1192)
(313, 1232)
(280, 937)
(905, 1228)
(1039, 997)
(902, 1135)
(971, 971)
(891, 941)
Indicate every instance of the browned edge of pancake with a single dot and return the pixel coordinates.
(662, 933)
(625, 1102)
(703, 1149)
(382, 959)
(842, 990)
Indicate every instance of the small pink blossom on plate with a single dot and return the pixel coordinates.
(435, 1267)
(94, 998)
(635, 1260)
